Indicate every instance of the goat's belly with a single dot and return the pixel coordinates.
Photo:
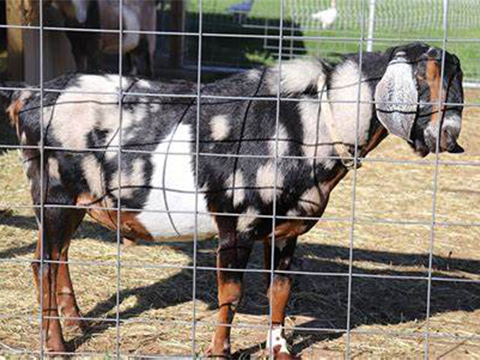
(133, 229)
(172, 202)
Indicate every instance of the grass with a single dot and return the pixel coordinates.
(388, 315)
(411, 21)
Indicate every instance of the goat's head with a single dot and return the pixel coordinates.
(411, 96)
(75, 10)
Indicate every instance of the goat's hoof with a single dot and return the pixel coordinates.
(128, 243)
(76, 324)
(210, 353)
(286, 356)
(56, 348)
(74, 321)
(283, 355)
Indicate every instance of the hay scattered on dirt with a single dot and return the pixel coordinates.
(393, 312)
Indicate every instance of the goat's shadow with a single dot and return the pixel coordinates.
(384, 301)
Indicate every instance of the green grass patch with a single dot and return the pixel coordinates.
(402, 20)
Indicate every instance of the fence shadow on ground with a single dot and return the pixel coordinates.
(322, 298)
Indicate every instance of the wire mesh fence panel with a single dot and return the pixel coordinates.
(327, 20)
(207, 195)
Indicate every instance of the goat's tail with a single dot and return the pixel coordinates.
(8, 104)
(5, 94)
(8, 89)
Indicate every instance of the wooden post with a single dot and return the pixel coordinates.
(23, 45)
(15, 40)
(177, 19)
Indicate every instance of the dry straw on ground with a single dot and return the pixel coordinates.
(387, 315)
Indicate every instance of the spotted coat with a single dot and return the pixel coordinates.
(231, 160)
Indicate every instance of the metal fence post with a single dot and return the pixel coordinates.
(371, 26)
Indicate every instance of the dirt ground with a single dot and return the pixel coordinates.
(392, 238)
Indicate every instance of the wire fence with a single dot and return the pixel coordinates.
(202, 36)
(395, 20)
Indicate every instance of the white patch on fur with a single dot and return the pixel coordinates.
(310, 200)
(130, 181)
(344, 97)
(293, 212)
(178, 172)
(220, 127)
(253, 75)
(453, 122)
(275, 337)
(144, 84)
(316, 139)
(53, 168)
(297, 75)
(23, 138)
(95, 177)
(329, 164)
(283, 140)
(265, 181)
(235, 186)
(75, 114)
(246, 220)
(25, 95)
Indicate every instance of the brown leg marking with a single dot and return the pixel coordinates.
(279, 293)
(67, 303)
(233, 252)
(54, 280)
(45, 279)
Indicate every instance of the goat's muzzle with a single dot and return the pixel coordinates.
(448, 138)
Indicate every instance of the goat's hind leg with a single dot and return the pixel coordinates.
(279, 293)
(52, 279)
(66, 300)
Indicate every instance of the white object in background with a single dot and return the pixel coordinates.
(327, 17)
(371, 26)
(241, 8)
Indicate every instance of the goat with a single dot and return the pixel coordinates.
(137, 16)
(399, 93)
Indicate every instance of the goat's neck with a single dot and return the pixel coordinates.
(378, 135)
(339, 172)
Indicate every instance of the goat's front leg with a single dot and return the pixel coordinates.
(233, 253)
(279, 293)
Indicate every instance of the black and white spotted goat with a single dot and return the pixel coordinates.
(159, 175)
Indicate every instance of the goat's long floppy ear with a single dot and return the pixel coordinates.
(396, 96)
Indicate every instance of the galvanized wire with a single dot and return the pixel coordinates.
(194, 267)
(41, 220)
(446, 4)
(354, 184)
(119, 180)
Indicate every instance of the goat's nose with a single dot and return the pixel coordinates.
(449, 142)
(456, 149)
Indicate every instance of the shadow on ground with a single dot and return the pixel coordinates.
(320, 297)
